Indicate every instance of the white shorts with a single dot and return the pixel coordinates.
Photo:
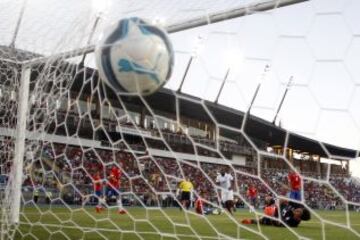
(227, 195)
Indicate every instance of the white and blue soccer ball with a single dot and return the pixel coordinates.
(134, 56)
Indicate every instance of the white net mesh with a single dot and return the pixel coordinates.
(76, 127)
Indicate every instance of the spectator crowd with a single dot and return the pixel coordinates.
(152, 180)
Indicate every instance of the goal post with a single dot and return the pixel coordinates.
(16, 174)
(11, 203)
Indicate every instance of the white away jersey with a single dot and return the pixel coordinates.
(224, 181)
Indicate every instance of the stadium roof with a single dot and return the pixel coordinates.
(164, 101)
(255, 127)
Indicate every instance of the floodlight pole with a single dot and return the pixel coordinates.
(222, 85)
(185, 73)
(283, 98)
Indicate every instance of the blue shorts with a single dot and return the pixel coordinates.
(296, 195)
(98, 193)
(110, 191)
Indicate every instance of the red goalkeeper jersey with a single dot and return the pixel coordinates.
(295, 181)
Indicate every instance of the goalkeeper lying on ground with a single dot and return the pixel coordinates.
(290, 213)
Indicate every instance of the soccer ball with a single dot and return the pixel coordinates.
(134, 56)
(216, 211)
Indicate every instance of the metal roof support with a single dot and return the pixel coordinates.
(222, 85)
(185, 73)
(282, 99)
(98, 17)
(266, 69)
(17, 27)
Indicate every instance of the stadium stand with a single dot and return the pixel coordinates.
(72, 164)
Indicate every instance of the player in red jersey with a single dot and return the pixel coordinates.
(98, 189)
(295, 186)
(205, 210)
(199, 206)
(113, 187)
(252, 195)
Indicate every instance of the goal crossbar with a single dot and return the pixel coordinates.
(185, 25)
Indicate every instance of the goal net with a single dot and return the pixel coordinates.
(262, 93)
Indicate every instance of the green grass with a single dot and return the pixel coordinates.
(83, 223)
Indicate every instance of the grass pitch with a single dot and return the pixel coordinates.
(59, 223)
